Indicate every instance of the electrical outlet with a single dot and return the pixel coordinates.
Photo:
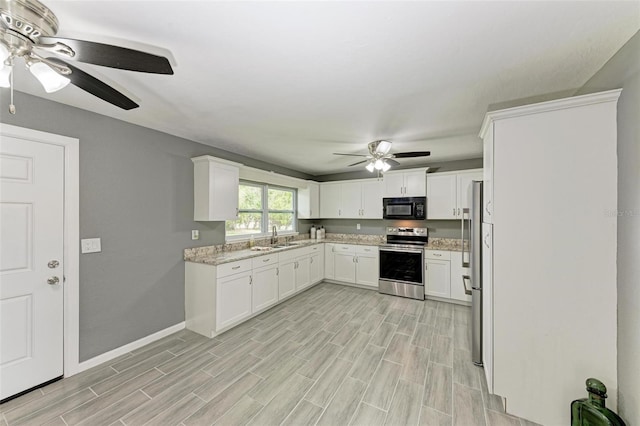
(195, 234)
(90, 245)
(357, 226)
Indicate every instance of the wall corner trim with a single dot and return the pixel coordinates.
(112, 354)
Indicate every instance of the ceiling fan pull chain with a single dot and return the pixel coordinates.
(12, 107)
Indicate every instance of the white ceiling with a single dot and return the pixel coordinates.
(291, 82)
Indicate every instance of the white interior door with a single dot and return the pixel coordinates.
(31, 263)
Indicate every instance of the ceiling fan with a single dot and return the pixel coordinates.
(27, 31)
(379, 157)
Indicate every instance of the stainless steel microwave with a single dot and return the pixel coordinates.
(404, 208)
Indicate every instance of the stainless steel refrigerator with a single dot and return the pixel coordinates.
(475, 263)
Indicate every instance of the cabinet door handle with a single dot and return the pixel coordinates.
(458, 211)
(339, 212)
(437, 254)
(454, 211)
(250, 279)
(356, 259)
(486, 207)
(277, 271)
(236, 267)
(266, 260)
(464, 284)
(311, 260)
(485, 240)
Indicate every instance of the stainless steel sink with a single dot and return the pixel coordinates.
(285, 245)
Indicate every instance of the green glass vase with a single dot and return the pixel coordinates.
(592, 411)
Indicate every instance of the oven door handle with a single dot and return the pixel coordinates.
(400, 250)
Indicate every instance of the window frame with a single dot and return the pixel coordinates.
(265, 211)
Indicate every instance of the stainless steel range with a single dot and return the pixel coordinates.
(402, 262)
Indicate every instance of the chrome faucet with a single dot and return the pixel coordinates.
(274, 235)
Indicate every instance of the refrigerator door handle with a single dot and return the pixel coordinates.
(464, 284)
(465, 210)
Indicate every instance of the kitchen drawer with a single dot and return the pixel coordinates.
(437, 254)
(345, 248)
(316, 248)
(231, 268)
(292, 254)
(260, 261)
(366, 249)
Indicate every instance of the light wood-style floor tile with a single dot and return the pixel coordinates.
(368, 415)
(383, 384)
(333, 354)
(305, 413)
(469, 408)
(438, 388)
(344, 404)
(406, 404)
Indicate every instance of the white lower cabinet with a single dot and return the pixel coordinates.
(316, 263)
(355, 264)
(219, 297)
(303, 277)
(264, 291)
(445, 277)
(344, 263)
(367, 269)
(233, 294)
(329, 263)
(286, 278)
(460, 278)
(438, 278)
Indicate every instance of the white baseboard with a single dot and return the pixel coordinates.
(112, 354)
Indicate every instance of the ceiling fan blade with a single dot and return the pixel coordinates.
(392, 161)
(96, 87)
(351, 155)
(412, 154)
(359, 162)
(107, 55)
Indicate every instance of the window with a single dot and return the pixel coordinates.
(261, 207)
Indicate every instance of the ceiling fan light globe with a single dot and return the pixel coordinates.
(5, 73)
(4, 53)
(370, 167)
(383, 147)
(50, 80)
(378, 164)
(385, 166)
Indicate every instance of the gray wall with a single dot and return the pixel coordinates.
(623, 71)
(136, 193)
(437, 228)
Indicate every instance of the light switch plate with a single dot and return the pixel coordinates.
(195, 234)
(357, 226)
(90, 245)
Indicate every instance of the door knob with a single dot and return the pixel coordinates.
(53, 264)
(53, 280)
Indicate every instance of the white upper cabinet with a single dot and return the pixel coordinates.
(215, 189)
(351, 199)
(441, 196)
(371, 206)
(358, 199)
(449, 193)
(330, 200)
(405, 183)
(463, 190)
(309, 201)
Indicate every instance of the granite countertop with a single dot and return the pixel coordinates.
(217, 255)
